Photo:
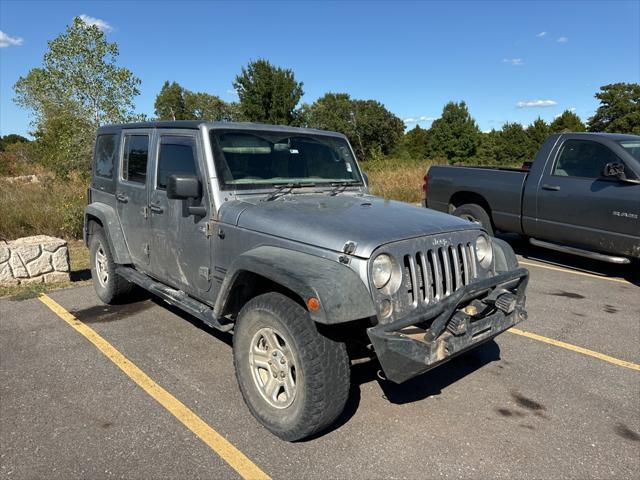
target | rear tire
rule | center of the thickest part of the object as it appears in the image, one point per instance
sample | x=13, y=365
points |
x=476, y=214
x=294, y=380
x=109, y=286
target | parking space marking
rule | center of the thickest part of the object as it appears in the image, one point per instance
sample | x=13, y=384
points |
x=575, y=348
x=220, y=445
x=566, y=270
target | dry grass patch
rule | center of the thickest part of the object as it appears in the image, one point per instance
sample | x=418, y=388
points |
x=397, y=179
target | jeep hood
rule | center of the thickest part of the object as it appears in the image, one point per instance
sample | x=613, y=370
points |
x=331, y=221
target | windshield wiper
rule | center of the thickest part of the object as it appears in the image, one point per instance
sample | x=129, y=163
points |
x=339, y=187
x=285, y=188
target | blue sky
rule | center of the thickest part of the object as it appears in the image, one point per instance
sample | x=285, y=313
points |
x=510, y=61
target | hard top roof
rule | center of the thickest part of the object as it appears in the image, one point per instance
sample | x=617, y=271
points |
x=196, y=124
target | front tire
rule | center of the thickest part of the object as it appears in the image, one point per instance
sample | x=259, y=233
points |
x=109, y=286
x=294, y=380
x=476, y=214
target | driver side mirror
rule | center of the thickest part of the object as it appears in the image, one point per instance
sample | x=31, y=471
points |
x=189, y=188
x=181, y=187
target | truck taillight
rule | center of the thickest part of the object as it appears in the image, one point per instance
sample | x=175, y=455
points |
x=425, y=184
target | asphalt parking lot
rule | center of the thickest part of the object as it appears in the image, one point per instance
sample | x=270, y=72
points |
x=522, y=406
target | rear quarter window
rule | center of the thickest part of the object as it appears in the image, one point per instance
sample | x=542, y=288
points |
x=105, y=154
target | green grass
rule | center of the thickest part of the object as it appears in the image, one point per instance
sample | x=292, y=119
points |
x=80, y=275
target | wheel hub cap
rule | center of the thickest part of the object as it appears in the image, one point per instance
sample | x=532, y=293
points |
x=273, y=368
x=102, y=272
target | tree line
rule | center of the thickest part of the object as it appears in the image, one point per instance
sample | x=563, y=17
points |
x=80, y=87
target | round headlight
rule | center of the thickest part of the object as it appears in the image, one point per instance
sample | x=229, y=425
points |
x=382, y=270
x=484, y=252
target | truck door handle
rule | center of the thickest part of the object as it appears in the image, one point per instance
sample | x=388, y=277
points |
x=155, y=208
x=121, y=197
x=555, y=188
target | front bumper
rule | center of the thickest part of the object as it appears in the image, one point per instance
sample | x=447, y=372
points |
x=435, y=333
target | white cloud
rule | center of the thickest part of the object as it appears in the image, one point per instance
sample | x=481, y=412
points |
x=233, y=92
x=536, y=103
x=516, y=62
x=421, y=118
x=563, y=39
x=7, y=41
x=98, y=22
x=541, y=34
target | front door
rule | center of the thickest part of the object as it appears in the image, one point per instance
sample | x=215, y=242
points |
x=132, y=195
x=578, y=205
x=180, y=255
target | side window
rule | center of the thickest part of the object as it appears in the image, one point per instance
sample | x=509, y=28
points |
x=583, y=158
x=105, y=155
x=177, y=155
x=134, y=160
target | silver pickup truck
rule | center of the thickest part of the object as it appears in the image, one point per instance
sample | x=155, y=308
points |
x=580, y=196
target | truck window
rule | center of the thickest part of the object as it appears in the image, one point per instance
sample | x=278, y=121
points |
x=583, y=158
x=105, y=155
x=177, y=155
x=134, y=162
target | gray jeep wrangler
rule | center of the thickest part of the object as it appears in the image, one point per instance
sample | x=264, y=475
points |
x=270, y=231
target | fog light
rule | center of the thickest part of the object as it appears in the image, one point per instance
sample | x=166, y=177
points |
x=386, y=308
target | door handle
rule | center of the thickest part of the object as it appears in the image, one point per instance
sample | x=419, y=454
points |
x=121, y=197
x=156, y=208
x=554, y=188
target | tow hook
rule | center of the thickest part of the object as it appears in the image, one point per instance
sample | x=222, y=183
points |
x=507, y=302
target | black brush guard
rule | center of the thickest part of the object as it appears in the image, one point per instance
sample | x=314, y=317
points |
x=493, y=305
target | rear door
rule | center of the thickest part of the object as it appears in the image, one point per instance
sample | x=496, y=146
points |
x=131, y=193
x=180, y=254
x=576, y=203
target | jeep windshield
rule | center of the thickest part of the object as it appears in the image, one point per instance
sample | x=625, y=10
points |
x=264, y=159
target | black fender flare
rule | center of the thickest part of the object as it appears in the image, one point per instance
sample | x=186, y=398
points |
x=111, y=226
x=343, y=296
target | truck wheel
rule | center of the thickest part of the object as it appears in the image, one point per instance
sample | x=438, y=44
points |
x=109, y=286
x=294, y=380
x=476, y=214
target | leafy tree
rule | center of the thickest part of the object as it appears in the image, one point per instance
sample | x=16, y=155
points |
x=455, y=134
x=64, y=140
x=175, y=102
x=78, y=88
x=170, y=102
x=489, y=148
x=514, y=144
x=619, y=109
x=416, y=142
x=268, y=94
x=79, y=71
x=538, y=131
x=203, y=106
x=369, y=126
x=567, y=122
x=11, y=139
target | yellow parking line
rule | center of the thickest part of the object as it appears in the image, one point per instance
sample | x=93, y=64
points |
x=566, y=270
x=574, y=348
x=230, y=454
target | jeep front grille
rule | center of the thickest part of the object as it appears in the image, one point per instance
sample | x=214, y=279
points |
x=433, y=274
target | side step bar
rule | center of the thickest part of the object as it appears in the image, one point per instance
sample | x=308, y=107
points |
x=578, y=251
x=178, y=298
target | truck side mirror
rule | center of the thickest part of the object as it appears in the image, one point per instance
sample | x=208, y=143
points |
x=182, y=187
